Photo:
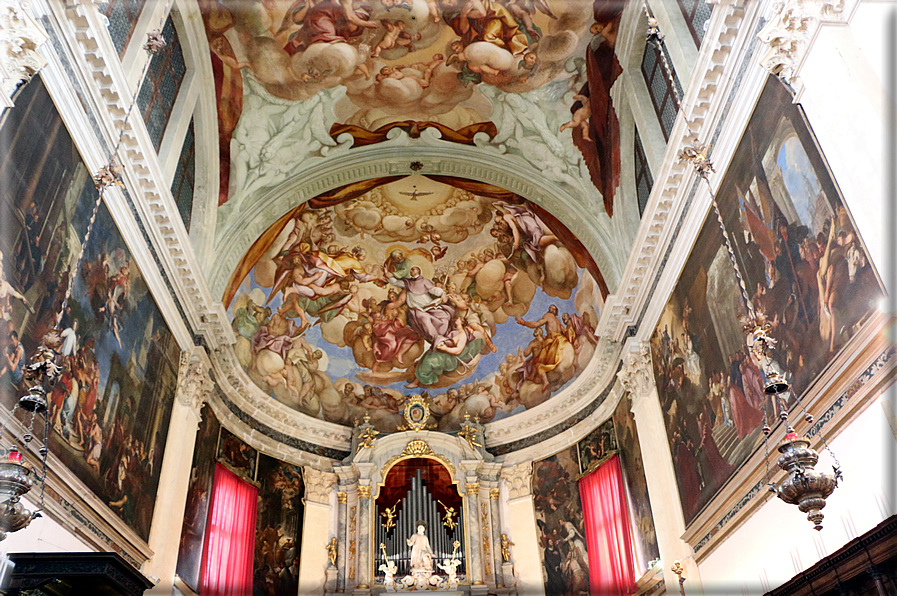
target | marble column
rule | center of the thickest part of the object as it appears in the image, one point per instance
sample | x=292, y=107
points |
x=494, y=494
x=365, y=527
x=475, y=568
x=364, y=540
x=520, y=526
x=193, y=389
x=315, y=530
x=637, y=378
x=342, y=525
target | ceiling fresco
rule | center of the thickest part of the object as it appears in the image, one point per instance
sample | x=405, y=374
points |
x=533, y=75
x=411, y=284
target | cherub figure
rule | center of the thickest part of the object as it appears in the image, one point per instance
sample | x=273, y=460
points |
x=450, y=566
x=395, y=36
x=580, y=117
x=391, y=72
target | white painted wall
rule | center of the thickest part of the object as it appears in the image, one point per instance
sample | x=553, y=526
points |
x=43, y=535
x=778, y=542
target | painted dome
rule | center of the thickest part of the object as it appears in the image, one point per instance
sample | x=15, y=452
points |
x=451, y=288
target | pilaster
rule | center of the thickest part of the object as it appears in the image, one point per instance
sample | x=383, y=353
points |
x=637, y=378
x=315, y=529
x=193, y=390
x=520, y=526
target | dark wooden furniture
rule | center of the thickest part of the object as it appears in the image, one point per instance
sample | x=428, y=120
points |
x=75, y=574
x=865, y=566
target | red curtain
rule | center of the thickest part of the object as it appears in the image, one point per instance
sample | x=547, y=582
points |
x=230, y=537
x=608, y=535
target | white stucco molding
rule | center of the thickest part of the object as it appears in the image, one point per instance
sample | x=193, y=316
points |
x=20, y=38
x=318, y=485
x=637, y=374
x=791, y=29
x=518, y=480
x=194, y=385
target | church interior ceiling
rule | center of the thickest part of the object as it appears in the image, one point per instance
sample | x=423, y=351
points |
x=306, y=80
x=354, y=300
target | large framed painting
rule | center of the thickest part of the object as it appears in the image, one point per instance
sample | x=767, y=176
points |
x=110, y=410
x=559, y=518
x=806, y=269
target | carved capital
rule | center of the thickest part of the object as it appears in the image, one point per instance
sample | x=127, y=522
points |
x=194, y=385
x=364, y=491
x=472, y=488
x=318, y=485
x=637, y=375
x=494, y=494
x=519, y=480
x=342, y=498
x=791, y=28
x=20, y=37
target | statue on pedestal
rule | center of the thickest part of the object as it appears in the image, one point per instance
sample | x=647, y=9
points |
x=421, y=560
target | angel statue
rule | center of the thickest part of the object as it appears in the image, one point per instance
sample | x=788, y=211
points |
x=389, y=569
x=506, y=548
x=450, y=566
x=331, y=551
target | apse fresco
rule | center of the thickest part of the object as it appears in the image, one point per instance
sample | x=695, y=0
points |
x=559, y=518
x=111, y=407
x=636, y=484
x=347, y=305
x=442, y=63
x=805, y=268
x=278, y=529
x=199, y=492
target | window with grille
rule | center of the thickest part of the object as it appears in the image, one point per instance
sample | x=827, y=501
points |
x=696, y=13
x=185, y=176
x=160, y=88
x=643, y=179
x=662, y=95
x=121, y=20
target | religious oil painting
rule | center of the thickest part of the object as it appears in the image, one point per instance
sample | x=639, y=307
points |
x=199, y=493
x=597, y=447
x=561, y=526
x=633, y=468
x=805, y=268
x=388, y=288
x=279, y=528
x=240, y=458
x=300, y=78
x=111, y=407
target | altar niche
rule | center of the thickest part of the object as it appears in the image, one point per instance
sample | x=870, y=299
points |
x=418, y=490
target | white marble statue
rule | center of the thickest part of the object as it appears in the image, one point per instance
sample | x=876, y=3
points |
x=450, y=566
x=389, y=570
x=421, y=553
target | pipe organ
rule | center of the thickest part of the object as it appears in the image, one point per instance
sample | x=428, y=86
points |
x=385, y=488
x=418, y=504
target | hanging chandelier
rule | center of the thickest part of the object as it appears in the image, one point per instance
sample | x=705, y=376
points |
x=45, y=365
x=803, y=486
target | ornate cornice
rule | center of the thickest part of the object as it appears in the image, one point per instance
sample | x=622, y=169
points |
x=790, y=30
x=518, y=480
x=20, y=38
x=637, y=374
x=318, y=485
x=81, y=28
